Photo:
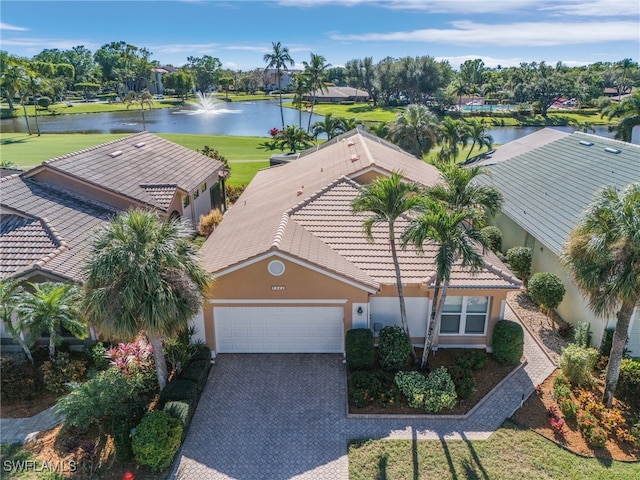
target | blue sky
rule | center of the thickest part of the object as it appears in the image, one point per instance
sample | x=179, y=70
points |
x=239, y=33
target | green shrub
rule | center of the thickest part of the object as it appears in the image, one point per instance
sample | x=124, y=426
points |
x=394, y=347
x=508, y=342
x=577, y=364
x=433, y=393
x=582, y=335
x=197, y=372
x=98, y=356
x=472, y=360
x=365, y=380
x=546, y=290
x=493, y=237
x=465, y=386
x=179, y=390
x=60, y=371
x=561, y=388
x=19, y=382
x=569, y=408
x=179, y=409
x=359, y=349
x=519, y=259
x=629, y=380
x=44, y=102
x=179, y=350
x=202, y=352
x=359, y=397
x=96, y=401
x=607, y=340
x=156, y=440
x=591, y=430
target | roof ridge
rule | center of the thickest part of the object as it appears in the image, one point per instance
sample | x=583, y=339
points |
x=144, y=185
x=501, y=273
x=72, y=154
x=323, y=190
x=9, y=177
x=282, y=226
x=76, y=196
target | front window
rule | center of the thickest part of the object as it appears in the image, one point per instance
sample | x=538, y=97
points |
x=464, y=315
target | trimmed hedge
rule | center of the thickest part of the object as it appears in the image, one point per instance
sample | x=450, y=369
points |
x=359, y=349
x=519, y=259
x=546, y=290
x=156, y=440
x=202, y=353
x=508, y=342
x=179, y=389
x=181, y=410
x=394, y=347
x=197, y=372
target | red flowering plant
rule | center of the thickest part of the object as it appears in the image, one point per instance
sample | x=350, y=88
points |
x=135, y=360
x=555, y=420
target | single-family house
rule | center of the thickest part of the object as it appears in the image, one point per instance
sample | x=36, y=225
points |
x=48, y=214
x=293, y=270
x=141, y=170
x=333, y=94
x=548, y=179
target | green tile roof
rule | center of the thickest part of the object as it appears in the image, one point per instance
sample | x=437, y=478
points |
x=546, y=189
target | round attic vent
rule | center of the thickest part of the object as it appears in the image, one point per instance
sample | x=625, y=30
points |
x=276, y=268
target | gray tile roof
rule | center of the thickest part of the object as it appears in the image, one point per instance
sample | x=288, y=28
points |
x=46, y=228
x=547, y=188
x=132, y=164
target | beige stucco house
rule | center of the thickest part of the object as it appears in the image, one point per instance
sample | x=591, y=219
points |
x=548, y=179
x=293, y=270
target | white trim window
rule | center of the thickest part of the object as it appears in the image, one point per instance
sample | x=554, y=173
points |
x=464, y=316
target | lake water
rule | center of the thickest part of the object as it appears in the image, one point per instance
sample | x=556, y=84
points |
x=253, y=119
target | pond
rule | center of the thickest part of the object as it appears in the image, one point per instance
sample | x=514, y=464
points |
x=253, y=119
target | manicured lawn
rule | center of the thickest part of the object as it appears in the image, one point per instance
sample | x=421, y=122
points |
x=18, y=463
x=360, y=111
x=510, y=453
x=62, y=108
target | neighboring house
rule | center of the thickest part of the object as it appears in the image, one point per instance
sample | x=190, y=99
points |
x=141, y=170
x=48, y=214
x=293, y=270
x=333, y=94
x=548, y=179
x=156, y=87
x=270, y=79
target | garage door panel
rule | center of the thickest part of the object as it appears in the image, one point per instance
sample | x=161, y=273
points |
x=279, y=329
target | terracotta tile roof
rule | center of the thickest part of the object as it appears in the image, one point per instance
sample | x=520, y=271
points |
x=130, y=164
x=45, y=227
x=304, y=209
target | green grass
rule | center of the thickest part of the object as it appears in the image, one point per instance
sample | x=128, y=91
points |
x=62, y=108
x=27, y=151
x=19, y=464
x=510, y=453
x=360, y=111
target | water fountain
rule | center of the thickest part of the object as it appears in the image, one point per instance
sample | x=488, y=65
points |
x=208, y=105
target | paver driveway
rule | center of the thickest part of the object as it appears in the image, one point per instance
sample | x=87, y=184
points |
x=269, y=417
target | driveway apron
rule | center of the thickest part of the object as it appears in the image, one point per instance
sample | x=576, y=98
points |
x=269, y=417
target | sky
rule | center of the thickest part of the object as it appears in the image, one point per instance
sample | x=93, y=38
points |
x=239, y=33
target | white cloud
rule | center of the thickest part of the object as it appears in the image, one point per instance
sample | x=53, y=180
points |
x=596, y=8
x=540, y=34
x=184, y=48
x=493, y=62
x=12, y=28
x=38, y=44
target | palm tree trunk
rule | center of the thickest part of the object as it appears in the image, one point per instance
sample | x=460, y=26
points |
x=617, y=350
x=403, y=310
x=27, y=353
x=35, y=109
x=431, y=318
x=161, y=364
x=26, y=118
x=313, y=103
x=280, y=97
x=144, y=125
x=473, y=145
x=52, y=344
x=435, y=326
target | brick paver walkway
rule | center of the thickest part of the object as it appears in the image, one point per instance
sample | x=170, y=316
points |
x=278, y=417
x=21, y=430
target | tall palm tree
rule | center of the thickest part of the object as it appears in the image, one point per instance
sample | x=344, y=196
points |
x=479, y=135
x=628, y=112
x=299, y=89
x=415, y=130
x=10, y=294
x=11, y=80
x=603, y=256
x=456, y=242
x=143, y=274
x=50, y=307
x=315, y=72
x=143, y=99
x=453, y=134
x=32, y=87
x=279, y=58
x=388, y=198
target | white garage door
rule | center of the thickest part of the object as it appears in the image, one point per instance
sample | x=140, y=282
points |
x=279, y=329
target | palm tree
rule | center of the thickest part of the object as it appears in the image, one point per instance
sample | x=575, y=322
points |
x=415, y=130
x=479, y=135
x=603, y=256
x=143, y=274
x=456, y=242
x=387, y=199
x=32, y=86
x=453, y=134
x=330, y=125
x=459, y=87
x=315, y=73
x=628, y=112
x=10, y=294
x=11, y=80
x=144, y=99
x=50, y=307
x=279, y=58
x=299, y=89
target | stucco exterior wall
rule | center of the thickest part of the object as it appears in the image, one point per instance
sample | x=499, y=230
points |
x=254, y=283
x=574, y=307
